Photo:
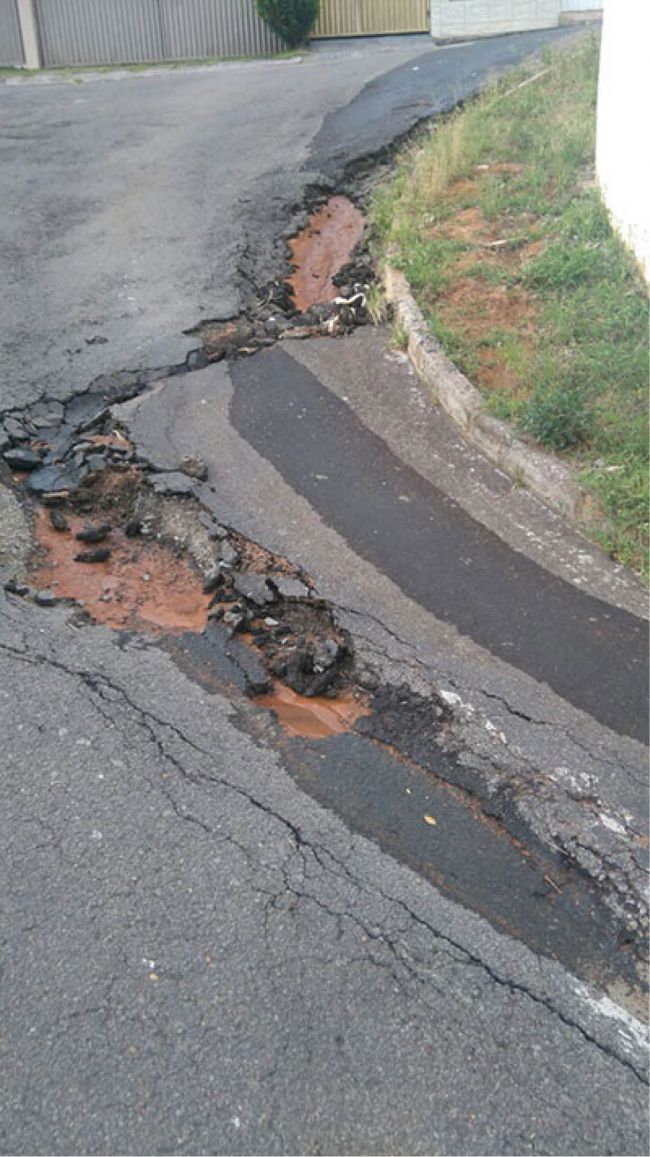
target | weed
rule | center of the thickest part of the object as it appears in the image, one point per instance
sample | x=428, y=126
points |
x=559, y=417
x=400, y=336
x=376, y=304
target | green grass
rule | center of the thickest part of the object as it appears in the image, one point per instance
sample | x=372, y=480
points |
x=523, y=157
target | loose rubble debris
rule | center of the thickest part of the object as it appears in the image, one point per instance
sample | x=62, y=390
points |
x=323, y=295
x=152, y=559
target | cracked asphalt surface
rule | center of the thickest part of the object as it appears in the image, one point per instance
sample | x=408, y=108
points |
x=217, y=940
x=203, y=960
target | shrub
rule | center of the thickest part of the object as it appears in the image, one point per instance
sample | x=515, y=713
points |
x=293, y=20
x=559, y=417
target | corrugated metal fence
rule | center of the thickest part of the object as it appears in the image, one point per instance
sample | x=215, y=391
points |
x=140, y=31
x=137, y=31
x=11, y=45
x=371, y=17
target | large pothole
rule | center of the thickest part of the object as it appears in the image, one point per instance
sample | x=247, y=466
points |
x=134, y=554
x=321, y=250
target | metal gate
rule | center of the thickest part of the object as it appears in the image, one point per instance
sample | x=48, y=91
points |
x=372, y=17
x=11, y=44
x=140, y=31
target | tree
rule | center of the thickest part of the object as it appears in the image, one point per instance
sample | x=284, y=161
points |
x=293, y=20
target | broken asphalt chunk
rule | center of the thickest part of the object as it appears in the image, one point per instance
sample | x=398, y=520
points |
x=173, y=483
x=45, y=598
x=58, y=519
x=289, y=588
x=21, y=458
x=14, y=429
x=54, y=479
x=255, y=588
x=13, y=587
x=93, y=533
x=100, y=554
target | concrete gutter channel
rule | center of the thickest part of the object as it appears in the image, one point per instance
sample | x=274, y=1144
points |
x=514, y=844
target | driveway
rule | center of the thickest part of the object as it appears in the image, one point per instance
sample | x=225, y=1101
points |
x=419, y=929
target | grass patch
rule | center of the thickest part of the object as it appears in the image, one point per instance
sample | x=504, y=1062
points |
x=499, y=228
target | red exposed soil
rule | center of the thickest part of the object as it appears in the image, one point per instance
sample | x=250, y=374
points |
x=316, y=717
x=142, y=585
x=474, y=305
x=476, y=309
x=321, y=249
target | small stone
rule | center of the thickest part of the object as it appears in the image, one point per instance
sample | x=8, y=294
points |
x=133, y=528
x=193, y=465
x=15, y=588
x=368, y=679
x=227, y=554
x=234, y=619
x=93, y=533
x=21, y=458
x=45, y=598
x=101, y=554
x=58, y=519
x=325, y=654
x=212, y=579
x=214, y=529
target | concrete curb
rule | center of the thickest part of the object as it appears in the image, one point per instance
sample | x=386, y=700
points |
x=542, y=473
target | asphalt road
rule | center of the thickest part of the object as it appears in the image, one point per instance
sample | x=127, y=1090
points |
x=127, y=204
x=216, y=940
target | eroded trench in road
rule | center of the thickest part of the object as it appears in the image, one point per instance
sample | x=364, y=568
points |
x=136, y=550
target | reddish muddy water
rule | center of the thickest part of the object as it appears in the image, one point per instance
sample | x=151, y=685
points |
x=313, y=718
x=142, y=585
x=321, y=249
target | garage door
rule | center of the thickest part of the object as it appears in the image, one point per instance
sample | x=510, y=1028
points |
x=372, y=17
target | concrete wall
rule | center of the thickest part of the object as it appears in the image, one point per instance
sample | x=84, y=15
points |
x=622, y=154
x=457, y=19
x=461, y=18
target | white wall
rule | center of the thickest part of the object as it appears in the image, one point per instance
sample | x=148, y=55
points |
x=622, y=154
x=454, y=19
x=461, y=18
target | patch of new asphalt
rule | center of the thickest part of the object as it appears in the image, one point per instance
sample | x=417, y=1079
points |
x=432, y=85
x=591, y=653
